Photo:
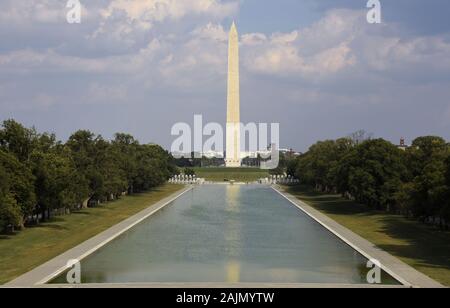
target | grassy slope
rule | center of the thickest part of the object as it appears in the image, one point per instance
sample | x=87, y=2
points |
x=24, y=251
x=421, y=246
x=237, y=174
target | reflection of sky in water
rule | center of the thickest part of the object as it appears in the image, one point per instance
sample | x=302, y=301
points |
x=223, y=233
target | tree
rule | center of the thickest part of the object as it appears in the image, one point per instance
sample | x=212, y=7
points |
x=319, y=166
x=152, y=162
x=82, y=145
x=10, y=215
x=114, y=177
x=125, y=147
x=21, y=186
x=57, y=185
x=426, y=160
x=445, y=211
x=372, y=172
x=39, y=175
x=404, y=198
x=292, y=166
x=17, y=139
x=359, y=137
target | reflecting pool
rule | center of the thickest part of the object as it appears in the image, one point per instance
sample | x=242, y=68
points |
x=227, y=233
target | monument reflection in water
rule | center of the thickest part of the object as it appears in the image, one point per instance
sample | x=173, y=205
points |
x=227, y=233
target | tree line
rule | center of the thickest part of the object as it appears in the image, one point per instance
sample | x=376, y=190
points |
x=413, y=181
x=40, y=175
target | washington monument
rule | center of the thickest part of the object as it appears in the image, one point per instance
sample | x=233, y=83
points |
x=233, y=150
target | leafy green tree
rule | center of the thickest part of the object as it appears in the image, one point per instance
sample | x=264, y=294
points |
x=82, y=145
x=125, y=147
x=17, y=139
x=404, y=199
x=21, y=185
x=291, y=167
x=426, y=160
x=359, y=137
x=445, y=210
x=40, y=175
x=319, y=166
x=10, y=214
x=152, y=163
x=114, y=177
x=57, y=185
x=372, y=172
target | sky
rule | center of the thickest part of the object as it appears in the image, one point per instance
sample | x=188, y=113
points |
x=140, y=66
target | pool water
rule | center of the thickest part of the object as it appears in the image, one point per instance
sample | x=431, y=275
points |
x=227, y=234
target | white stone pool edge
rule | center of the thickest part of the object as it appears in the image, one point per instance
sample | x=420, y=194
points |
x=399, y=270
x=53, y=268
x=41, y=275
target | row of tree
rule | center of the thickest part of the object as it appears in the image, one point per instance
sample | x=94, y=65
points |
x=413, y=181
x=40, y=175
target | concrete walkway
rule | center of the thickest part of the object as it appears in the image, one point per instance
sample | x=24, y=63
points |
x=402, y=272
x=53, y=268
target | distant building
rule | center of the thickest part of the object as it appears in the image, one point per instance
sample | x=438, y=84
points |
x=402, y=146
x=290, y=152
x=213, y=154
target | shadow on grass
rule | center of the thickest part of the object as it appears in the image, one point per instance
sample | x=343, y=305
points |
x=54, y=223
x=424, y=244
x=85, y=212
x=330, y=204
x=428, y=246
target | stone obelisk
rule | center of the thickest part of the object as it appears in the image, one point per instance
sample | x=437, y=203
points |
x=233, y=150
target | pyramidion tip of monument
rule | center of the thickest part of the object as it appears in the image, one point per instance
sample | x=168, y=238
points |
x=233, y=26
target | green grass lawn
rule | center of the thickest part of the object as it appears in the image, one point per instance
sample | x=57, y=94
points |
x=236, y=174
x=34, y=246
x=423, y=247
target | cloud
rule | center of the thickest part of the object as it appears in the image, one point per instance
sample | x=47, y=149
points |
x=105, y=94
x=158, y=10
x=33, y=62
x=172, y=55
x=32, y=12
x=320, y=50
x=341, y=41
x=124, y=18
x=200, y=60
x=285, y=59
x=19, y=12
x=211, y=32
x=45, y=100
x=387, y=53
x=338, y=43
x=252, y=39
